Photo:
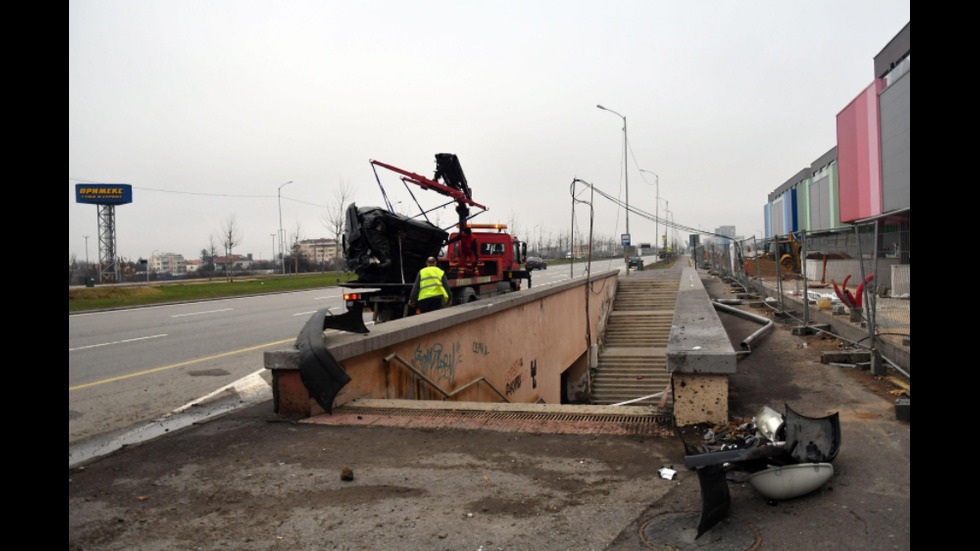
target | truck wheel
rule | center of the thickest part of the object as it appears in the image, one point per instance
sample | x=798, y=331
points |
x=381, y=316
x=468, y=295
x=787, y=263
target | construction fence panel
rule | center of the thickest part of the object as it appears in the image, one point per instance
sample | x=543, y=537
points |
x=861, y=268
x=889, y=296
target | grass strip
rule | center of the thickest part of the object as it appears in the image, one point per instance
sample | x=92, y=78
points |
x=102, y=297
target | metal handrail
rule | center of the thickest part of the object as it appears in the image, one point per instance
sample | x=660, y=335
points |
x=431, y=383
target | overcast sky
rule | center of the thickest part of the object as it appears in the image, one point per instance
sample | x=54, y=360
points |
x=206, y=108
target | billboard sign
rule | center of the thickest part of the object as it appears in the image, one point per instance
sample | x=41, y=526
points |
x=104, y=194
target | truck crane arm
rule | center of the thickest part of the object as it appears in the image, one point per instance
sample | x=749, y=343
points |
x=457, y=189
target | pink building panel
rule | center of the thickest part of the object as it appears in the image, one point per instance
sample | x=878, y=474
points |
x=859, y=156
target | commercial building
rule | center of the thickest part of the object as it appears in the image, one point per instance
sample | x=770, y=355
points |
x=867, y=176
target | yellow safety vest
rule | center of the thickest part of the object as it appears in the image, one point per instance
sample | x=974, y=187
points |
x=431, y=283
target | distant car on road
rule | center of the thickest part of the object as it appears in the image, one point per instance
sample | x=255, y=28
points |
x=535, y=263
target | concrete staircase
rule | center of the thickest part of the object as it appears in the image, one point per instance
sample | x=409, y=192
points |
x=633, y=360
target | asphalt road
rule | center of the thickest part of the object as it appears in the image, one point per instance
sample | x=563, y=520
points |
x=128, y=367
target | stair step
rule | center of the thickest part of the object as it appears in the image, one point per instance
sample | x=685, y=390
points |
x=633, y=361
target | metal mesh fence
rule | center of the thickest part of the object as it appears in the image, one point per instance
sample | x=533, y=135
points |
x=856, y=277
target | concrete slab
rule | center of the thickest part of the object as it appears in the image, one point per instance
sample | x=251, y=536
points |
x=700, y=398
x=698, y=342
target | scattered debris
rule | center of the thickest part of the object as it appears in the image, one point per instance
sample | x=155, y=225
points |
x=769, y=421
x=900, y=383
x=845, y=356
x=903, y=409
x=786, y=456
x=824, y=301
x=715, y=499
x=791, y=480
x=667, y=473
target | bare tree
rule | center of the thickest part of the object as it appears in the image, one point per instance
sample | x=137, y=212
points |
x=231, y=237
x=336, y=214
x=208, y=254
x=295, y=238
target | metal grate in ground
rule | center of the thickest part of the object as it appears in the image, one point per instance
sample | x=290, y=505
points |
x=501, y=421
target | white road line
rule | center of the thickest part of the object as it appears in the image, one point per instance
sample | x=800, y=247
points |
x=201, y=313
x=117, y=342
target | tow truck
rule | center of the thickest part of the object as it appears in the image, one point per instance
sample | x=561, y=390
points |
x=387, y=249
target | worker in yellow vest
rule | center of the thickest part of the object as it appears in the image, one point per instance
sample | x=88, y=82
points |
x=431, y=289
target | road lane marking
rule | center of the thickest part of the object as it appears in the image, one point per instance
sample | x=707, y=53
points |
x=117, y=342
x=181, y=364
x=201, y=313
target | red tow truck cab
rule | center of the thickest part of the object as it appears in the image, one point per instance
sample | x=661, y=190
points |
x=498, y=266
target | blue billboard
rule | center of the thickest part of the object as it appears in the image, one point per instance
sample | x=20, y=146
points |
x=104, y=194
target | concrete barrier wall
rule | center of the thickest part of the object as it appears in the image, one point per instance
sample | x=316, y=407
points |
x=700, y=356
x=698, y=341
x=520, y=342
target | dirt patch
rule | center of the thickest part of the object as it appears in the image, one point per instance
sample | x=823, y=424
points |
x=100, y=293
x=240, y=482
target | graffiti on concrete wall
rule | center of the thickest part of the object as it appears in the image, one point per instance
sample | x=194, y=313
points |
x=438, y=363
x=517, y=375
x=480, y=349
x=513, y=377
x=513, y=385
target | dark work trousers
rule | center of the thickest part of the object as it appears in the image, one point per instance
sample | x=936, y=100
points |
x=430, y=304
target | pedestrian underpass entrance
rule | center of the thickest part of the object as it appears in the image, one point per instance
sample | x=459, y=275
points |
x=539, y=346
x=517, y=347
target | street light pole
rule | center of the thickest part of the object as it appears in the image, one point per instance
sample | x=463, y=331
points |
x=626, y=170
x=273, y=235
x=656, y=226
x=282, y=262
